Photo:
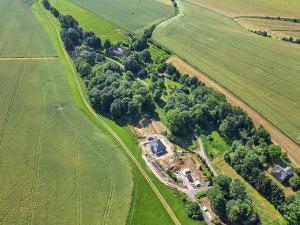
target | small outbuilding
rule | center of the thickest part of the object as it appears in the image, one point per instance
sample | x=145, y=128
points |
x=185, y=171
x=197, y=183
x=282, y=174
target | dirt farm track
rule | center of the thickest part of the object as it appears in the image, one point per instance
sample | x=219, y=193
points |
x=277, y=135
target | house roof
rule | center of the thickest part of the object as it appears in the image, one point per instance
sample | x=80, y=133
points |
x=282, y=173
x=157, y=147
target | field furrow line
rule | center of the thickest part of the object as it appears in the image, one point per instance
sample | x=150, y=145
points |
x=108, y=128
x=5, y=8
x=78, y=192
x=36, y=163
x=11, y=103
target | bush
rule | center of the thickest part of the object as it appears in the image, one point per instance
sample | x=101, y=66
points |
x=295, y=182
x=194, y=211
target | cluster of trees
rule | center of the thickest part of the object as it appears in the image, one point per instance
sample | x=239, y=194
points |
x=249, y=164
x=199, y=106
x=141, y=43
x=53, y=10
x=230, y=200
x=290, y=39
x=262, y=33
x=111, y=94
x=108, y=91
x=291, y=209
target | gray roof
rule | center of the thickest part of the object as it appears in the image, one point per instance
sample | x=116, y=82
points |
x=157, y=147
x=282, y=173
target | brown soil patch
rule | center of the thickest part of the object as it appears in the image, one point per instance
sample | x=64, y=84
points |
x=149, y=126
x=278, y=137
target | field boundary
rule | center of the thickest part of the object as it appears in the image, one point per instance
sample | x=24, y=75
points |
x=107, y=127
x=278, y=136
x=12, y=58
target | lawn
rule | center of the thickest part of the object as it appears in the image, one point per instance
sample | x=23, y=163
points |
x=267, y=213
x=281, y=8
x=90, y=21
x=132, y=15
x=145, y=207
x=263, y=72
x=56, y=167
x=214, y=145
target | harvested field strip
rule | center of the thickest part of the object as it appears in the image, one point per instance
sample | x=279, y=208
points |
x=292, y=148
x=108, y=128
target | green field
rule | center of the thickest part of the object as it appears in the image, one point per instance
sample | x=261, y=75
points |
x=263, y=72
x=90, y=21
x=132, y=15
x=281, y=8
x=267, y=213
x=56, y=167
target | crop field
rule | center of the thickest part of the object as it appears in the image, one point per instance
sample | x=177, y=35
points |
x=56, y=167
x=263, y=72
x=132, y=15
x=267, y=213
x=274, y=27
x=234, y=8
x=90, y=21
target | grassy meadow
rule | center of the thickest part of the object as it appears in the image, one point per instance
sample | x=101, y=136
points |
x=263, y=72
x=56, y=167
x=90, y=21
x=267, y=213
x=132, y=15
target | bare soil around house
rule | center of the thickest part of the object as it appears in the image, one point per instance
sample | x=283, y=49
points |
x=148, y=126
x=278, y=137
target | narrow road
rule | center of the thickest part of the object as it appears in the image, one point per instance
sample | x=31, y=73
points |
x=105, y=125
x=202, y=154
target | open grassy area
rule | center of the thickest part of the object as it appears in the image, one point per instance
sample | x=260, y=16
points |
x=281, y=8
x=132, y=15
x=268, y=214
x=214, y=145
x=263, y=72
x=56, y=167
x=90, y=21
